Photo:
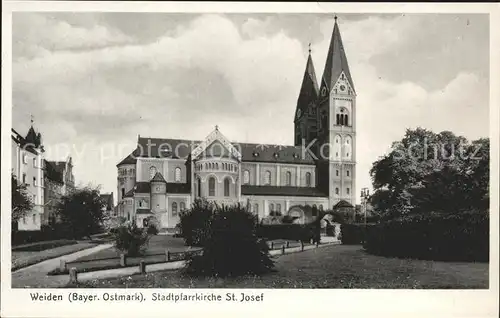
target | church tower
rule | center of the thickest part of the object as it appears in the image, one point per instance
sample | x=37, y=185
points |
x=305, y=114
x=337, y=123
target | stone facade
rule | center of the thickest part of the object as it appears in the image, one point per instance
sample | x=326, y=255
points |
x=162, y=177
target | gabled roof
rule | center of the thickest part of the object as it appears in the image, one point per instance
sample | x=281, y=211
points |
x=282, y=191
x=309, y=89
x=336, y=60
x=158, y=178
x=181, y=148
x=343, y=204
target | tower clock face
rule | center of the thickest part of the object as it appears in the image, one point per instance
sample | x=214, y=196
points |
x=342, y=88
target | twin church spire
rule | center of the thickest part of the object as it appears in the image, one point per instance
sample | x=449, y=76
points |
x=335, y=65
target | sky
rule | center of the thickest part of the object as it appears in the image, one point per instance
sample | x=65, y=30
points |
x=94, y=81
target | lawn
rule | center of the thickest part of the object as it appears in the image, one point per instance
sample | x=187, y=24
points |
x=341, y=266
x=110, y=257
x=155, y=253
x=21, y=259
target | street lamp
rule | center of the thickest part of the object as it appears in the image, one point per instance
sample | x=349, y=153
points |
x=365, y=193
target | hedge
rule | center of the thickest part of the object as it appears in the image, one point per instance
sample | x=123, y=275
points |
x=296, y=232
x=458, y=237
x=44, y=245
x=353, y=233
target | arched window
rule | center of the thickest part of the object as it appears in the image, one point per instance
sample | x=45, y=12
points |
x=288, y=178
x=346, y=120
x=256, y=208
x=314, y=210
x=123, y=192
x=336, y=190
x=211, y=187
x=347, y=172
x=321, y=207
x=177, y=174
x=267, y=178
x=278, y=207
x=174, y=208
x=337, y=146
x=246, y=177
x=347, y=147
x=338, y=119
x=271, y=208
x=336, y=173
x=199, y=187
x=347, y=191
x=308, y=179
x=226, y=187
x=152, y=172
x=182, y=206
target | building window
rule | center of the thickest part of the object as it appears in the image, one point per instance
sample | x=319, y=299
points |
x=199, y=187
x=246, y=177
x=271, y=208
x=348, y=190
x=123, y=192
x=24, y=220
x=34, y=181
x=267, y=178
x=256, y=208
x=308, y=179
x=177, y=174
x=34, y=162
x=314, y=210
x=25, y=159
x=336, y=190
x=321, y=207
x=24, y=178
x=337, y=173
x=182, y=206
x=226, y=187
x=288, y=178
x=211, y=187
x=174, y=208
x=34, y=218
x=347, y=172
x=152, y=172
x=278, y=207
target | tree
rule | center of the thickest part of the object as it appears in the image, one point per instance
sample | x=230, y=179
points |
x=81, y=212
x=21, y=202
x=428, y=172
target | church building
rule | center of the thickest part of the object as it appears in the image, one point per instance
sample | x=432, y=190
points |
x=163, y=176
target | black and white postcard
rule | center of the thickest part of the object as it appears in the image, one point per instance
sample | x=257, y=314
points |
x=282, y=158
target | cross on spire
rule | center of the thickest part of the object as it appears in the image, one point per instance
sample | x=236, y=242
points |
x=335, y=17
x=32, y=119
x=309, y=47
x=216, y=127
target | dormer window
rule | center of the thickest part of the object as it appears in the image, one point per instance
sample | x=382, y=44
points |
x=276, y=155
x=255, y=154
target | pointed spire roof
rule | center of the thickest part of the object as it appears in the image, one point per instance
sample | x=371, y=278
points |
x=309, y=90
x=158, y=178
x=336, y=60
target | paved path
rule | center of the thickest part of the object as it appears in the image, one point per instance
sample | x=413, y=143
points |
x=36, y=275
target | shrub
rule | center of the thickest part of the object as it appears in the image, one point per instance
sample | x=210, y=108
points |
x=152, y=229
x=131, y=239
x=195, y=222
x=231, y=247
x=457, y=237
x=354, y=233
